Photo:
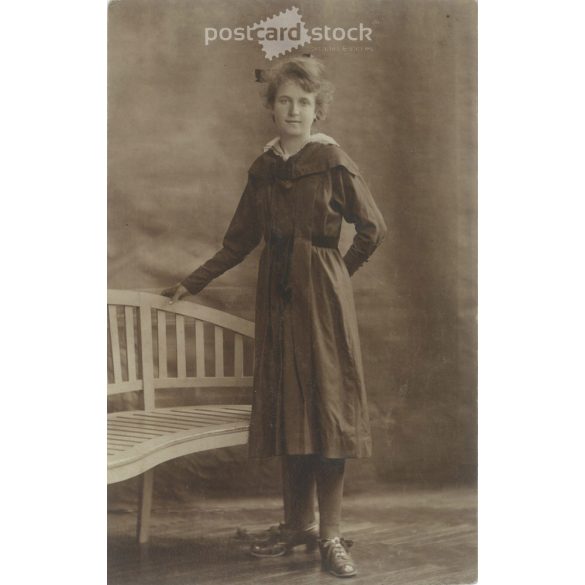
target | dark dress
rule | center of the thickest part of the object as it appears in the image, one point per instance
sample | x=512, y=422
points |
x=309, y=394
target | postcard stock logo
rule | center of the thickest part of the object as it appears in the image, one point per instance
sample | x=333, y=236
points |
x=284, y=32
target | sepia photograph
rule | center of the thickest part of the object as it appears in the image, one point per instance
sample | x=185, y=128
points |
x=292, y=292
x=339, y=244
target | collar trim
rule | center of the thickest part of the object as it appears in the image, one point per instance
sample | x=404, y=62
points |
x=275, y=146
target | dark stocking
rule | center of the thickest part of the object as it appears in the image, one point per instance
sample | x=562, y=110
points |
x=298, y=490
x=329, y=474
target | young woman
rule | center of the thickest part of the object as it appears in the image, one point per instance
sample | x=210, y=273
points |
x=309, y=398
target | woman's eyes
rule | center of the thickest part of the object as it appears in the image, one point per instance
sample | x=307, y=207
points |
x=285, y=101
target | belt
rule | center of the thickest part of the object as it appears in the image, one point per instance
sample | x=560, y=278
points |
x=319, y=241
x=325, y=241
x=282, y=246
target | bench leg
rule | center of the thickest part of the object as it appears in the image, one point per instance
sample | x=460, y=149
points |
x=145, y=506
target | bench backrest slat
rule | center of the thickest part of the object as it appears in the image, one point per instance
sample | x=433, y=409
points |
x=147, y=356
x=181, y=356
x=130, y=340
x=219, y=352
x=199, y=349
x=238, y=355
x=133, y=357
x=115, y=341
x=161, y=319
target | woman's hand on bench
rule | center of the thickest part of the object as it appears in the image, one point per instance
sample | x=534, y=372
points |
x=175, y=293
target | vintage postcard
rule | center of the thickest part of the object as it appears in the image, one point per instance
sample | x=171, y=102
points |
x=292, y=291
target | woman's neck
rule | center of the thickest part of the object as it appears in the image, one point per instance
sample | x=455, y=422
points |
x=292, y=144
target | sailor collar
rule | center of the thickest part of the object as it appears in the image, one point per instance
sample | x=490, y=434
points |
x=276, y=147
x=316, y=156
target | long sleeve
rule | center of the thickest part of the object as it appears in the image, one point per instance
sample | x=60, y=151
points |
x=242, y=236
x=358, y=207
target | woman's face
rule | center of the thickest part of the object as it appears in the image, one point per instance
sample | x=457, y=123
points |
x=294, y=110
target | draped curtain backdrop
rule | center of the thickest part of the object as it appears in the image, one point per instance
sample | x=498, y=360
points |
x=186, y=120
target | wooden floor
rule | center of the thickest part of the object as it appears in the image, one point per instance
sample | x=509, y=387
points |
x=402, y=537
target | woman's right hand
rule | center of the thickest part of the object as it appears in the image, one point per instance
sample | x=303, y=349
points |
x=175, y=293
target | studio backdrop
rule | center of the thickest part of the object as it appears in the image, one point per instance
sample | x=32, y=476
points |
x=185, y=122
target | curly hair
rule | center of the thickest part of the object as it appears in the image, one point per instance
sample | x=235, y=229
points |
x=309, y=74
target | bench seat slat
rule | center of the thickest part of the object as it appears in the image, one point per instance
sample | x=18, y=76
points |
x=136, y=436
x=218, y=407
x=208, y=418
x=202, y=421
x=146, y=426
x=129, y=442
x=137, y=429
x=155, y=419
x=189, y=416
x=120, y=441
x=145, y=430
x=229, y=415
x=122, y=445
x=160, y=425
x=206, y=413
x=161, y=419
x=121, y=431
x=126, y=444
x=142, y=453
x=122, y=437
x=213, y=417
x=168, y=418
x=241, y=409
x=123, y=442
x=122, y=428
x=155, y=422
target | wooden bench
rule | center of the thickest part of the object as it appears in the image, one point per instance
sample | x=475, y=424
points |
x=155, y=347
